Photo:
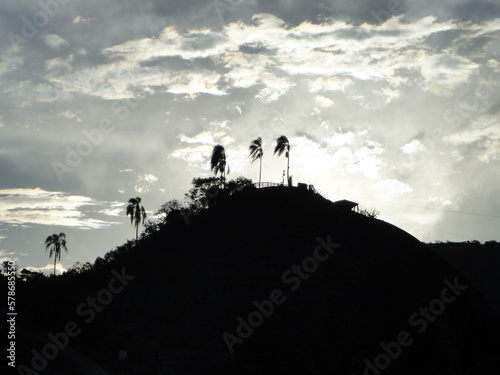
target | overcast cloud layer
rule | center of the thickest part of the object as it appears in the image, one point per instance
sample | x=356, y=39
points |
x=391, y=104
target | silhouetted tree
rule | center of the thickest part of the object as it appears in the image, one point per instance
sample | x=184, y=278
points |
x=256, y=152
x=205, y=191
x=56, y=243
x=78, y=268
x=171, y=210
x=202, y=193
x=369, y=212
x=6, y=266
x=137, y=214
x=218, y=163
x=283, y=146
x=239, y=184
x=31, y=276
x=171, y=205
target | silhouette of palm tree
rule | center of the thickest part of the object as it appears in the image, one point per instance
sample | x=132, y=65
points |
x=137, y=214
x=56, y=243
x=283, y=146
x=256, y=152
x=218, y=163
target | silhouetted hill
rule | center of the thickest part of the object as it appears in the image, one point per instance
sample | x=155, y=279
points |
x=196, y=290
x=478, y=263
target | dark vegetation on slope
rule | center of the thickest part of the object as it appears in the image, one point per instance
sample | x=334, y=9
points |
x=192, y=281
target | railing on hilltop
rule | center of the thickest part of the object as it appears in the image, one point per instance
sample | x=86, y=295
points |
x=267, y=184
x=274, y=184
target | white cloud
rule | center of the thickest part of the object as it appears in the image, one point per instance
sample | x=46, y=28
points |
x=149, y=178
x=365, y=160
x=323, y=102
x=347, y=138
x=116, y=208
x=206, y=137
x=144, y=182
x=270, y=54
x=309, y=155
x=204, y=82
x=26, y=92
x=112, y=211
x=11, y=60
x=412, y=147
x=54, y=41
x=37, y=206
x=71, y=114
x=195, y=156
x=389, y=188
x=80, y=19
x=443, y=73
x=203, y=143
x=484, y=135
x=330, y=84
x=8, y=256
x=59, y=65
x=48, y=268
x=440, y=201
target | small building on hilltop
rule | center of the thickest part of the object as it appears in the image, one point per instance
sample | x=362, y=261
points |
x=346, y=205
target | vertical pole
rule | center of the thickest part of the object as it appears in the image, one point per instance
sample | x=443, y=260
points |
x=260, y=171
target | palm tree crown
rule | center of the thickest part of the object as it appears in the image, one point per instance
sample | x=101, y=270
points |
x=56, y=243
x=218, y=163
x=283, y=146
x=256, y=152
x=137, y=214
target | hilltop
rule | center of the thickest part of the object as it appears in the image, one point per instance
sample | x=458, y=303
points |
x=275, y=280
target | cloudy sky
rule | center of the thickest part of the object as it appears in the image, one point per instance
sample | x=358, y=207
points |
x=393, y=104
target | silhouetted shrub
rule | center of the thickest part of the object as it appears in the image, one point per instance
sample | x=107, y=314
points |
x=369, y=212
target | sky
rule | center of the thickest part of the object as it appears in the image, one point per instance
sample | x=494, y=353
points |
x=392, y=104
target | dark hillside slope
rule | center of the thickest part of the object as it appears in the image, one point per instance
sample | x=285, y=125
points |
x=200, y=302
x=478, y=263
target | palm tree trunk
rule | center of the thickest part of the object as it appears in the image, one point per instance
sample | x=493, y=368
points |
x=288, y=169
x=136, y=231
x=55, y=264
x=260, y=171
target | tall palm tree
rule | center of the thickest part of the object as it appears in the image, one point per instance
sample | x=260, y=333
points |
x=137, y=214
x=218, y=163
x=283, y=146
x=56, y=243
x=256, y=152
